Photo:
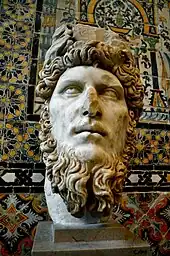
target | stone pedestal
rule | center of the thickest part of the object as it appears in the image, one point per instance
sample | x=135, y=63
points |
x=87, y=240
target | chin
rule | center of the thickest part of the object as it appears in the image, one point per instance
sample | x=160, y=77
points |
x=90, y=152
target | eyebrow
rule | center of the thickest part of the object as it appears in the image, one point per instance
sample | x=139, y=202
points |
x=70, y=82
x=107, y=83
x=108, y=78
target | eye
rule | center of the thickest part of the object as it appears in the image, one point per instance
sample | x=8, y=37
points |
x=72, y=90
x=110, y=93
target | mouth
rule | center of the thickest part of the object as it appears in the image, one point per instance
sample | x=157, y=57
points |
x=91, y=130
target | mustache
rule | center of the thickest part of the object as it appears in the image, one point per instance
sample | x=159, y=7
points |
x=95, y=127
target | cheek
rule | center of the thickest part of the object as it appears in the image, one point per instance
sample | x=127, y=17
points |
x=63, y=113
x=118, y=113
x=123, y=116
x=119, y=119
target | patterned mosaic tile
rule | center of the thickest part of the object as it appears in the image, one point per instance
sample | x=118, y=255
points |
x=151, y=156
x=152, y=147
x=16, y=93
x=66, y=4
x=149, y=63
x=145, y=64
x=140, y=18
x=18, y=10
x=155, y=115
x=140, y=44
x=155, y=97
x=13, y=142
x=17, y=97
x=2, y=112
x=164, y=37
x=15, y=35
x=139, y=213
x=21, y=142
x=146, y=230
x=66, y=15
x=129, y=18
x=143, y=201
x=165, y=244
x=162, y=4
x=48, y=23
x=14, y=67
x=162, y=207
x=153, y=139
x=31, y=143
x=163, y=14
x=20, y=214
x=13, y=98
x=49, y=7
x=3, y=94
x=148, y=178
x=164, y=248
x=127, y=213
x=26, y=176
x=158, y=214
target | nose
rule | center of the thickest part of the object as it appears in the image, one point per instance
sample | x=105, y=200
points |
x=91, y=107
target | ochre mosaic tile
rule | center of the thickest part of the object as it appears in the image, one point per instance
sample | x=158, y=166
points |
x=48, y=23
x=2, y=111
x=15, y=35
x=20, y=11
x=13, y=98
x=17, y=93
x=21, y=142
x=14, y=67
x=152, y=147
x=153, y=138
x=13, y=141
x=31, y=143
x=15, y=111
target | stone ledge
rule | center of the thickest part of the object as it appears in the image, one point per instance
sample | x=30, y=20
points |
x=44, y=244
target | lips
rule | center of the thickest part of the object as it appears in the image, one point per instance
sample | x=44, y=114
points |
x=93, y=129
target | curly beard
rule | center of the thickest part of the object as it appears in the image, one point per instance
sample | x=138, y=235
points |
x=94, y=188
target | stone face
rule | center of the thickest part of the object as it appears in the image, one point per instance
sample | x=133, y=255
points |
x=93, y=99
x=53, y=240
x=88, y=113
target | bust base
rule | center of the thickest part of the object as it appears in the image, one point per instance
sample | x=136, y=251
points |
x=85, y=240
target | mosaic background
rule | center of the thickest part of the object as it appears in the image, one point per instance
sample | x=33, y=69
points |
x=26, y=27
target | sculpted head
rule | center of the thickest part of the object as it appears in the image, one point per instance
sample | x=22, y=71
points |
x=93, y=99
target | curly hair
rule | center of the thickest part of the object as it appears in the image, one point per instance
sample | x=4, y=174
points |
x=116, y=59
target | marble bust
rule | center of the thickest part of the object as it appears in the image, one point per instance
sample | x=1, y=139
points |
x=93, y=99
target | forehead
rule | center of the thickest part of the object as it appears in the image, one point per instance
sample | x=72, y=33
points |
x=85, y=74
